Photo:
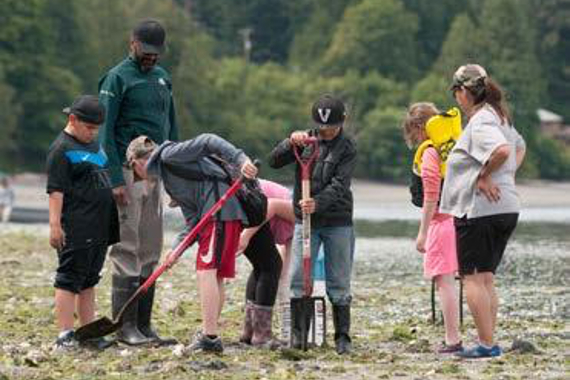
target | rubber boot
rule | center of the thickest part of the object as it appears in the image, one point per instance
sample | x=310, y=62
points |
x=123, y=289
x=262, y=323
x=341, y=320
x=302, y=310
x=247, y=332
x=144, y=324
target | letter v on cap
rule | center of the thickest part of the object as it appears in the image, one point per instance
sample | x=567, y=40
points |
x=324, y=117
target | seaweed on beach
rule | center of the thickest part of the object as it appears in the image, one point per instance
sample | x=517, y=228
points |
x=393, y=334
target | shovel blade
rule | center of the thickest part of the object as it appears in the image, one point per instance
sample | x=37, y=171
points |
x=307, y=316
x=96, y=329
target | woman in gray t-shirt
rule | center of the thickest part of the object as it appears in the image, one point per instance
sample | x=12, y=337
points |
x=479, y=191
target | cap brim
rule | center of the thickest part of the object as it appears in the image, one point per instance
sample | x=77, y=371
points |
x=454, y=86
x=151, y=49
x=83, y=118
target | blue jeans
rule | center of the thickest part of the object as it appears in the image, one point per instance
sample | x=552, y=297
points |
x=338, y=244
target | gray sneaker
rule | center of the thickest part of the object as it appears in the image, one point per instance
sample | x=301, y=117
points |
x=66, y=342
x=203, y=343
x=98, y=344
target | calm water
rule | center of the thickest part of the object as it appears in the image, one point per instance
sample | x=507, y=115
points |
x=528, y=231
x=405, y=211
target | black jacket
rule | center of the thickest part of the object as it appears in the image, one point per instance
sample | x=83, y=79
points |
x=330, y=179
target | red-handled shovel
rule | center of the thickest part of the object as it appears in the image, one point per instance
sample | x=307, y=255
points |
x=305, y=164
x=105, y=326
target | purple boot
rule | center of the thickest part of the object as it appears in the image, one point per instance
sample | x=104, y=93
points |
x=262, y=335
x=247, y=332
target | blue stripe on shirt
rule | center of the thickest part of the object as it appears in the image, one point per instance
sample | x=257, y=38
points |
x=80, y=156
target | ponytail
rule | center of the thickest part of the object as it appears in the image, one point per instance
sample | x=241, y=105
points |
x=493, y=95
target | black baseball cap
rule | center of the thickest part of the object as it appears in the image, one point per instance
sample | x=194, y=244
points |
x=151, y=36
x=87, y=109
x=328, y=111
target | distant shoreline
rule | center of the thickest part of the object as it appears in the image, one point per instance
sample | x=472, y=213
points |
x=541, y=200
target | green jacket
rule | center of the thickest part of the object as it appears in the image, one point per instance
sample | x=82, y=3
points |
x=136, y=103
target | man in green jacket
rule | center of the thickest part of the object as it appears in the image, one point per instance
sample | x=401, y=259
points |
x=137, y=96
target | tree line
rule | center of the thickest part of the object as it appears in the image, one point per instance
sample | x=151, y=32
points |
x=250, y=69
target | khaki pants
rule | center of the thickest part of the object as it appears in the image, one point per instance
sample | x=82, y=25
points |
x=141, y=229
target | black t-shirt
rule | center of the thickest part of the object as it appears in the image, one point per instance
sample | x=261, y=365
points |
x=81, y=172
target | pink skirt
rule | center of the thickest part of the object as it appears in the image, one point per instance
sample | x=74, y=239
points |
x=441, y=249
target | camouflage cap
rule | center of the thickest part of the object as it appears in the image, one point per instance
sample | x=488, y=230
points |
x=471, y=76
x=140, y=147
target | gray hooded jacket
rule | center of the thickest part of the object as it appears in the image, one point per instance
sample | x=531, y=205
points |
x=190, y=157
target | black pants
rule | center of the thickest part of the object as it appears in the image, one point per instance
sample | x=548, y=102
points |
x=263, y=281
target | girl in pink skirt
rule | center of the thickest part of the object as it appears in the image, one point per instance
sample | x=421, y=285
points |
x=436, y=235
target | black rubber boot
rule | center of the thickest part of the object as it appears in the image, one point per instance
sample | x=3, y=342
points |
x=341, y=320
x=146, y=302
x=123, y=289
x=302, y=311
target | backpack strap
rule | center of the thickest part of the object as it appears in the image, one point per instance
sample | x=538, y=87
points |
x=418, y=156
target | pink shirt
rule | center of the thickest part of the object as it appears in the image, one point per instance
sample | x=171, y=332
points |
x=441, y=255
x=431, y=178
x=282, y=229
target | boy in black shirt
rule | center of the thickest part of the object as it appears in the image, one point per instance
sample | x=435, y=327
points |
x=82, y=215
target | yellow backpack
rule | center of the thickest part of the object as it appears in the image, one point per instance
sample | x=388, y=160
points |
x=443, y=131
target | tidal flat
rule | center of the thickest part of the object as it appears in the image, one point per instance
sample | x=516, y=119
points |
x=392, y=330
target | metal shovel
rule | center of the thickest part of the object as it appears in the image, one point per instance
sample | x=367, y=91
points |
x=305, y=164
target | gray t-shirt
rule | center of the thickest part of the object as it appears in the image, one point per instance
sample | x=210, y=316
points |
x=483, y=134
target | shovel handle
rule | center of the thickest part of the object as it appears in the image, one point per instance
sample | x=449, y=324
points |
x=306, y=162
x=307, y=280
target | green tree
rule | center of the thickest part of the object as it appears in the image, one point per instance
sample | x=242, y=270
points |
x=271, y=24
x=9, y=113
x=434, y=18
x=73, y=42
x=462, y=45
x=510, y=57
x=313, y=37
x=261, y=104
x=222, y=19
x=362, y=93
x=197, y=104
x=554, y=44
x=433, y=88
x=375, y=35
x=552, y=159
x=510, y=52
x=382, y=153
x=28, y=49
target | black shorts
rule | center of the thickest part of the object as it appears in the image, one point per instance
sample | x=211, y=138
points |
x=79, y=268
x=481, y=241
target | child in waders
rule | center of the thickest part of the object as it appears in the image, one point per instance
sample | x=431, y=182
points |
x=331, y=207
x=82, y=217
x=434, y=134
